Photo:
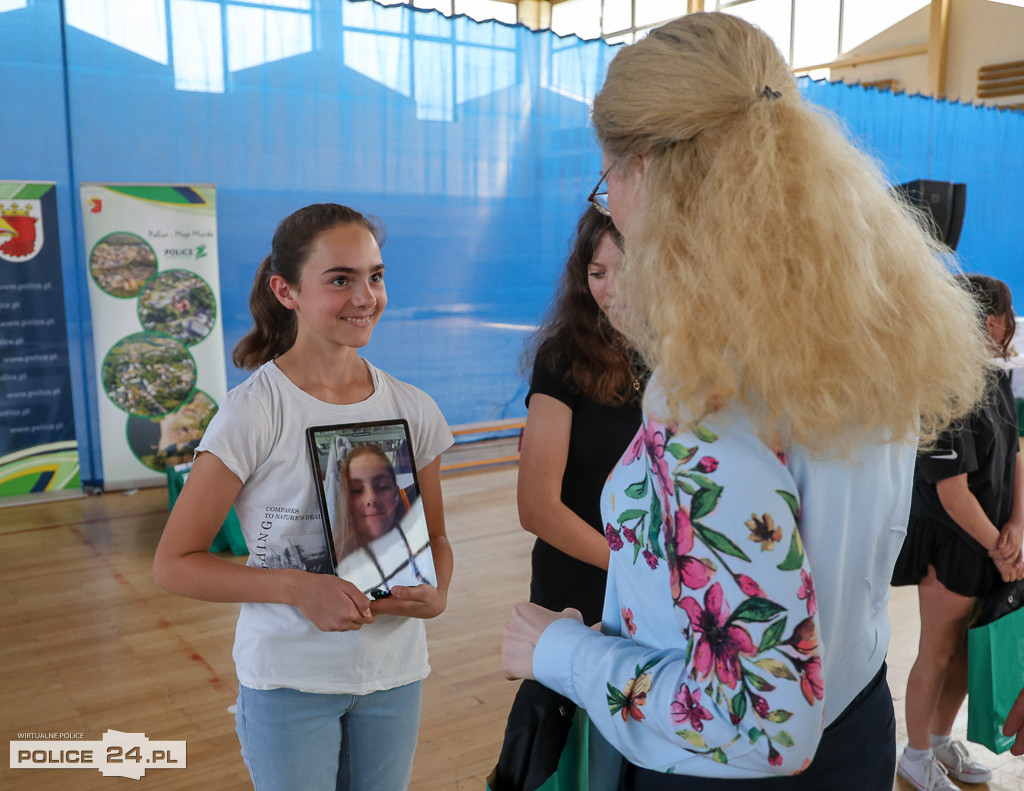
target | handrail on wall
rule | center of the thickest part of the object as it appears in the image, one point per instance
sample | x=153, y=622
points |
x=469, y=430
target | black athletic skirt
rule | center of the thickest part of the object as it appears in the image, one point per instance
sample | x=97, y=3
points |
x=961, y=563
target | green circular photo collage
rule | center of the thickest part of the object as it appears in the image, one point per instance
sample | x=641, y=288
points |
x=151, y=375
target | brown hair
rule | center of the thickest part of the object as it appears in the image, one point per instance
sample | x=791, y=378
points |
x=273, y=330
x=994, y=299
x=368, y=449
x=576, y=336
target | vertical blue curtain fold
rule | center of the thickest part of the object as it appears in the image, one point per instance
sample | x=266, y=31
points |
x=916, y=137
x=470, y=141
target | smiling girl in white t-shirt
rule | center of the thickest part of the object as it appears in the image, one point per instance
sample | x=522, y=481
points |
x=329, y=681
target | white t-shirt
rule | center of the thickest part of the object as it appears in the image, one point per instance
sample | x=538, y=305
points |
x=259, y=434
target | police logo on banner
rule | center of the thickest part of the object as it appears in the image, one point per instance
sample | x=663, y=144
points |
x=21, y=229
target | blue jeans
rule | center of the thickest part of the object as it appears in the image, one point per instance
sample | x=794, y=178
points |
x=293, y=739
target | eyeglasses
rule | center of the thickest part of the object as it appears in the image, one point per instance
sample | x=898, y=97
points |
x=598, y=198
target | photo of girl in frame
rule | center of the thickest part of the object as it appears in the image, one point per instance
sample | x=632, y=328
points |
x=373, y=516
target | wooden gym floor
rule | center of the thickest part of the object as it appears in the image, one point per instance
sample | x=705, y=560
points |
x=88, y=643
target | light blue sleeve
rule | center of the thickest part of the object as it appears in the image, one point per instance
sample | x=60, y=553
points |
x=713, y=665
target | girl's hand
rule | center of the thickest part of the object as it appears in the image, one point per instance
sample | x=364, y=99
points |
x=521, y=634
x=418, y=601
x=1010, y=571
x=1008, y=547
x=331, y=603
x=1014, y=725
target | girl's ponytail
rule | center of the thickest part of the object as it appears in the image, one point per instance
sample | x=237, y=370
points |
x=273, y=325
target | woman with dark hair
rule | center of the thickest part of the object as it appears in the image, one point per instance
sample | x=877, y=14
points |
x=584, y=407
x=964, y=538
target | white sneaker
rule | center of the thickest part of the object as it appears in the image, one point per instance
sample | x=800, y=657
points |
x=926, y=774
x=954, y=756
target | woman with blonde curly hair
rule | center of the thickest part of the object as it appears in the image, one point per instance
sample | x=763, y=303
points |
x=805, y=334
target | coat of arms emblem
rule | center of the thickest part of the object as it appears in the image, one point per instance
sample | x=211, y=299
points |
x=21, y=229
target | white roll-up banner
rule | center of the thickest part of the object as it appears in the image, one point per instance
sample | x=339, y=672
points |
x=154, y=294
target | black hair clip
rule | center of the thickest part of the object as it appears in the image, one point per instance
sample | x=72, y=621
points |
x=768, y=93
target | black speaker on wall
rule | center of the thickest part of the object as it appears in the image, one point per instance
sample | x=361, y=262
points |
x=944, y=202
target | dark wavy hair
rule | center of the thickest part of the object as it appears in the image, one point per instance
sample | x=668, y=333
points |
x=273, y=325
x=994, y=299
x=576, y=336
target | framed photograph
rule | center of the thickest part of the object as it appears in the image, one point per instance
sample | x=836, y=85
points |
x=370, y=502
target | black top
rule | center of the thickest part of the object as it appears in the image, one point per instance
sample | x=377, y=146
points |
x=984, y=446
x=597, y=439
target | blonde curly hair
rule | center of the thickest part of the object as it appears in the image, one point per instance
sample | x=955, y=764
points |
x=769, y=261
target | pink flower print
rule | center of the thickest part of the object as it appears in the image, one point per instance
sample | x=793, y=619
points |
x=707, y=464
x=655, y=443
x=807, y=592
x=630, y=535
x=760, y=705
x=627, y=617
x=689, y=572
x=750, y=587
x=651, y=559
x=684, y=569
x=720, y=646
x=803, y=766
x=774, y=757
x=686, y=708
x=635, y=448
x=811, y=683
x=613, y=538
x=684, y=532
x=781, y=456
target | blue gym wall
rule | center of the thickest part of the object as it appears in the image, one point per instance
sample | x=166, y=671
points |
x=470, y=141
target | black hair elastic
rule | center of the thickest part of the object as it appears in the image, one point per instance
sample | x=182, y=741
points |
x=768, y=93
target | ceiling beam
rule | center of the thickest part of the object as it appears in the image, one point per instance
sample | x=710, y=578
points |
x=872, y=57
x=938, y=47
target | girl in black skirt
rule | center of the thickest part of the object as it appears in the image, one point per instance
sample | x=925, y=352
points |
x=964, y=537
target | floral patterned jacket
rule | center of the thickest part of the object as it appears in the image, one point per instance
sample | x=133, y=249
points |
x=716, y=664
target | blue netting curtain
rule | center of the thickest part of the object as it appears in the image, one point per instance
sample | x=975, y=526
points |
x=469, y=140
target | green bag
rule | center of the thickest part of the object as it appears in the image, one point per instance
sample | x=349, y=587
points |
x=995, y=666
x=572, y=771
x=230, y=534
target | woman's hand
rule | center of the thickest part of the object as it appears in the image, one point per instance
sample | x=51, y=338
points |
x=1008, y=547
x=1007, y=554
x=331, y=603
x=1014, y=725
x=1010, y=571
x=417, y=601
x=521, y=634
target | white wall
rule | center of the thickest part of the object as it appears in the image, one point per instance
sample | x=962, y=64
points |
x=981, y=33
